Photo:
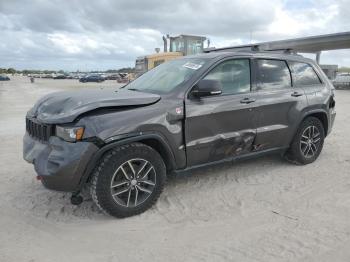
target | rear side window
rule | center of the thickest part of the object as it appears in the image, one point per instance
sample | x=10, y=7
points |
x=273, y=74
x=234, y=76
x=304, y=74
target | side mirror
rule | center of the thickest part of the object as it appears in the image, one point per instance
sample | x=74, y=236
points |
x=207, y=87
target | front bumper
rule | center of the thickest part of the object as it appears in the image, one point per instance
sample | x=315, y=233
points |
x=60, y=164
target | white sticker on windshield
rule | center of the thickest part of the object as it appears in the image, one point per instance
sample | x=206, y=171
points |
x=192, y=66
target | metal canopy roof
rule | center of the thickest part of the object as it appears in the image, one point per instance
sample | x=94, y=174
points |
x=312, y=44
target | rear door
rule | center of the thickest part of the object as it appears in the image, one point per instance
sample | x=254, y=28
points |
x=223, y=126
x=279, y=104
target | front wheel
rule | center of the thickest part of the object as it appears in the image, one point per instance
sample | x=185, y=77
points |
x=128, y=180
x=307, y=143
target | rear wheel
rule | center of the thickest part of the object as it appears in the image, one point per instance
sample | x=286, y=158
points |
x=307, y=143
x=128, y=180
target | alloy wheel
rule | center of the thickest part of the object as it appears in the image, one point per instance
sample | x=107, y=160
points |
x=133, y=182
x=310, y=141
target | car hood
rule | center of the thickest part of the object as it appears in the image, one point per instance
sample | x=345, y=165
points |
x=65, y=107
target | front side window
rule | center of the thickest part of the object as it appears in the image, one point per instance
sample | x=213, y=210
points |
x=273, y=74
x=304, y=74
x=234, y=76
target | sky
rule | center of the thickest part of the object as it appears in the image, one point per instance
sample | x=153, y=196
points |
x=109, y=34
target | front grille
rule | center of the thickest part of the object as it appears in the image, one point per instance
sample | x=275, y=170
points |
x=38, y=130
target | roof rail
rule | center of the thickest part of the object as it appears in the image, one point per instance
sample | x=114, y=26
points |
x=250, y=48
x=232, y=48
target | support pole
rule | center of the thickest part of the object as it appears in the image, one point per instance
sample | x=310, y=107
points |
x=165, y=44
x=318, y=57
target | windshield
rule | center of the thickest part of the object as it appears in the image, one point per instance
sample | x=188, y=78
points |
x=166, y=77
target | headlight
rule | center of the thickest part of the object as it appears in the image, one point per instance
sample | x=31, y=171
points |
x=70, y=134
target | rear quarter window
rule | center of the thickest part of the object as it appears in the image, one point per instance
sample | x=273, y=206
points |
x=304, y=74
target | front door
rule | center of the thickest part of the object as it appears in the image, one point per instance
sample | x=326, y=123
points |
x=221, y=127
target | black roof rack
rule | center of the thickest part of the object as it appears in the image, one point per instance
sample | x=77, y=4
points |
x=249, y=48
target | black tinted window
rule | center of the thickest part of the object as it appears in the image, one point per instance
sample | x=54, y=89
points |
x=273, y=74
x=304, y=74
x=234, y=76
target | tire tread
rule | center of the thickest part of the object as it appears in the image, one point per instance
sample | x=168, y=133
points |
x=293, y=154
x=98, y=173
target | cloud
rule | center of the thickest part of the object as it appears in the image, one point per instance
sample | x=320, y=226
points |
x=300, y=22
x=109, y=34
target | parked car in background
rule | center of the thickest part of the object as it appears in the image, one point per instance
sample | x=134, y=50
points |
x=92, y=78
x=187, y=113
x=342, y=80
x=123, y=78
x=60, y=77
x=119, y=77
x=4, y=78
x=46, y=76
x=112, y=77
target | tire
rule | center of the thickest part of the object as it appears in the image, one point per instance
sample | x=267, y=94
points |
x=307, y=143
x=128, y=180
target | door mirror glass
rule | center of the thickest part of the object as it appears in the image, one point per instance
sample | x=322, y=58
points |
x=207, y=87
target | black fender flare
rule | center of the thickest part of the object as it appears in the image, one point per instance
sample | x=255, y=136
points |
x=317, y=111
x=122, y=140
x=307, y=114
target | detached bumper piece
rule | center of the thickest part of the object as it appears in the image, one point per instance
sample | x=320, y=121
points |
x=60, y=164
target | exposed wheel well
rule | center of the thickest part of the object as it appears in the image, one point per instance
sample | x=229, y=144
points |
x=323, y=118
x=160, y=148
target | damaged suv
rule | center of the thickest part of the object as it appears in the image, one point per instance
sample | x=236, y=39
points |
x=186, y=113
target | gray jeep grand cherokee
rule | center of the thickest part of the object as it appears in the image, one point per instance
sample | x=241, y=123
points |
x=183, y=114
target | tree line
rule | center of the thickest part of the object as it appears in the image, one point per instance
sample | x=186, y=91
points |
x=7, y=71
x=27, y=71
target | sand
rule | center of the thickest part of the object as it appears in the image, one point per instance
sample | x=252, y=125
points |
x=258, y=210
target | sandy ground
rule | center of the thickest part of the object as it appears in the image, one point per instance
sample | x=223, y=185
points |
x=257, y=210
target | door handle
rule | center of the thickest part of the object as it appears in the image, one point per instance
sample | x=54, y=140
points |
x=296, y=94
x=247, y=100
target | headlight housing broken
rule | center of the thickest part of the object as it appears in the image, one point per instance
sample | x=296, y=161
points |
x=70, y=134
